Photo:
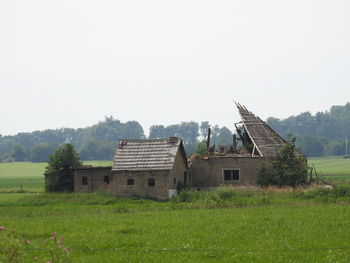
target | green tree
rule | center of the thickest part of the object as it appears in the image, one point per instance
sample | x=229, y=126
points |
x=203, y=129
x=42, y=151
x=97, y=150
x=202, y=149
x=288, y=168
x=221, y=136
x=60, y=170
x=20, y=154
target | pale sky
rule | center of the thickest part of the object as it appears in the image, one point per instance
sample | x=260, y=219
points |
x=69, y=63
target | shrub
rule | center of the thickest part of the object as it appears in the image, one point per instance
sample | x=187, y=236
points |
x=59, y=173
x=287, y=169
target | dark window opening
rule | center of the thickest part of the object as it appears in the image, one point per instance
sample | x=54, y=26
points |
x=84, y=180
x=131, y=181
x=231, y=175
x=106, y=179
x=151, y=182
x=187, y=177
x=174, y=180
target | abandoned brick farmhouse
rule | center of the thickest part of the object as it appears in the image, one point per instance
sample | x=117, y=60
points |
x=156, y=168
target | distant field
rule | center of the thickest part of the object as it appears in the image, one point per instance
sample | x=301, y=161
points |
x=336, y=169
x=30, y=175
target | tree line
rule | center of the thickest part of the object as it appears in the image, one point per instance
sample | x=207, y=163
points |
x=322, y=134
x=317, y=135
x=99, y=141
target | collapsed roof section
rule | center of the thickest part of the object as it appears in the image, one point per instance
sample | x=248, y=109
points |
x=265, y=141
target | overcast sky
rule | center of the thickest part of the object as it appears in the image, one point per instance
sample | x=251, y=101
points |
x=69, y=63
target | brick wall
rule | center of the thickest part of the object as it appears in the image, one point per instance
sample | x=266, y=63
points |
x=177, y=172
x=95, y=179
x=209, y=173
x=120, y=187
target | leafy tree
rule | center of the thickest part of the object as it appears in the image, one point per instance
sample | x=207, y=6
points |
x=20, y=154
x=157, y=132
x=331, y=125
x=336, y=147
x=221, y=136
x=287, y=169
x=312, y=145
x=42, y=151
x=60, y=170
x=202, y=149
x=188, y=131
x=203, y=128
x=97, y=150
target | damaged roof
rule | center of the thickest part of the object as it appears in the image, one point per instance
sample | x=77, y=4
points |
x=266, y=141
x=152, y=154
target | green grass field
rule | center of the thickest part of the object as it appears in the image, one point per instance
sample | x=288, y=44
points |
x=101, y=228
x=331, y=166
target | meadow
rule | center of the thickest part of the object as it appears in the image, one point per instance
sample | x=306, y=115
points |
x=226, y=225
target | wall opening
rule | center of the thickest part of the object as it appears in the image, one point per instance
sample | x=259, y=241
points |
x=231, y=175
x=106, y=179
x=131, y=181
x=151, y=182
x=187, y=177
x=84, y=180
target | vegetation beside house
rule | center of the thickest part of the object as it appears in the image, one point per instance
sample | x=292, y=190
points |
x=59, y=174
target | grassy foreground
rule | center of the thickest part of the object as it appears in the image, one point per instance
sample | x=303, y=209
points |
x=221, y=226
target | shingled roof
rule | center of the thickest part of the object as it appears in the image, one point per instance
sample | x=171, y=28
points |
x=152, y=154
x=266, y=141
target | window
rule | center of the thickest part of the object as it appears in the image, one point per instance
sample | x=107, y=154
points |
x=84, y=180
x=174, y=180
x=131, y=181
x=106, y=179
x=151, y=182
x=231, y=175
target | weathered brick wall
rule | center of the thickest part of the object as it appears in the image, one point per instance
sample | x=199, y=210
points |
x=177, y=172
x=95, y=180
x=141, y=188
x=164, y=181
x=209, y=173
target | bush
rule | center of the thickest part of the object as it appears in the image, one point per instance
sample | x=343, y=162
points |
x=59, y=174
x=287, y=169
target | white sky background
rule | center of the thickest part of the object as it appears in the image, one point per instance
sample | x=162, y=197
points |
x=69, y=63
